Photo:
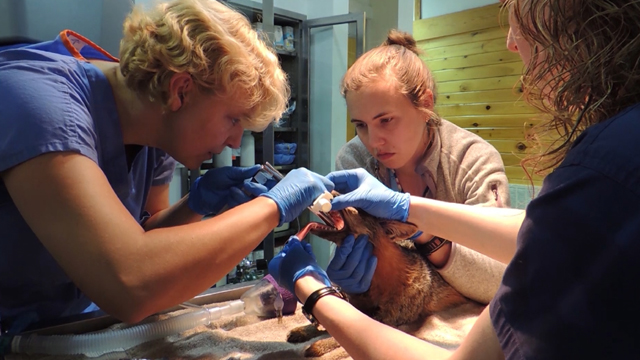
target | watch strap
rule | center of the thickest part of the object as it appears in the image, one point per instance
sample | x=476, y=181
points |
x=311, y=301
x=432, y=246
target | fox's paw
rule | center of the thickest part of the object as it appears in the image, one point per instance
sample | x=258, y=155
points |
x=303, y=333
x=321, y=347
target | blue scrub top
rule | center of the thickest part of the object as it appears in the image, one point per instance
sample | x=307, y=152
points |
x=570, y=290
x=52, y=101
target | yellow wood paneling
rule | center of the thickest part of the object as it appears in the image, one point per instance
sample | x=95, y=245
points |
x=466, y=61
x=517, y=175
x=504, y=82
x=500, y=95
x=500, y=133
x=464, y=38
x=456, y=23
x=478, y=81
x=515, y=107
x=510, y=146
x=481, y=47
x=512, y=159
x=479, y=72
x=476, y=121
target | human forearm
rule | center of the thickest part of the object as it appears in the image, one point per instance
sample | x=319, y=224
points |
x=361, y=336
x=178, y=214
x=157, y=279
x=127, y=271
x=490, y=231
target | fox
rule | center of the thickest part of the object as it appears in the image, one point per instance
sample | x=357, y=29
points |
x=405, y=287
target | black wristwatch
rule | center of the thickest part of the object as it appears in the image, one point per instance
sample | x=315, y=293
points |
x=311, y=301
x=432, y=246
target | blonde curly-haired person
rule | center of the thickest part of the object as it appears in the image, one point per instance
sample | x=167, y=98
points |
x=87, y=151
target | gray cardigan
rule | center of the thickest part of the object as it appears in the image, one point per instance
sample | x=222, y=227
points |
x=464, y=169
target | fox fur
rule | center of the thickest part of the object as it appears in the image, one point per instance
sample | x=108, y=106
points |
x=404, y=288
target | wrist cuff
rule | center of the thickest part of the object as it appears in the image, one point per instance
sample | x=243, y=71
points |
x=194, y=200
x=280, y=210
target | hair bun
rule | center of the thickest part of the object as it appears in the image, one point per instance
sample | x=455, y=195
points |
x=397, y=37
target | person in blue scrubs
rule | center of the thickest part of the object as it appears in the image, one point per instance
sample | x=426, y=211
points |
x=88, y=146
x=569, y=289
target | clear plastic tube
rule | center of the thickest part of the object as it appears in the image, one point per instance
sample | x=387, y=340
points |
x=100, y=343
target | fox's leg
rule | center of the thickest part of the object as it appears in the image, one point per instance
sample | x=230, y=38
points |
x=321, y=347
x=303, y=333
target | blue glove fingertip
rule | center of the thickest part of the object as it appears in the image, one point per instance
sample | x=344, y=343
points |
x=241, y=173
x=254, y=189
x=309, y=249
x=237, y=197
x=342, y=253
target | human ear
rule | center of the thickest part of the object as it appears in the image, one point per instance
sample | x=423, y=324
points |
x=180, y=86
x=429, y=101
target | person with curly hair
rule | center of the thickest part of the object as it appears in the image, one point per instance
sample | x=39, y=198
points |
x=572, y=254
x=88, y=146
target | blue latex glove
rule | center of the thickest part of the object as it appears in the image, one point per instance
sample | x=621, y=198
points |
x=212, y=191
x=360, y=189
x=353, y=265
x=238, y=195
x=296, y=191
x=294, y=261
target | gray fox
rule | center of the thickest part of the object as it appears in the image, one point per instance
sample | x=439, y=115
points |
x=404, y=288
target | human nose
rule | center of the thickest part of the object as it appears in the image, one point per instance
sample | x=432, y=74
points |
x=376, y=137
x=511, y=41
x=235, y=138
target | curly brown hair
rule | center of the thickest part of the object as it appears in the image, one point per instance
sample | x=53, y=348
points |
x=211, y=42
x=584, y=66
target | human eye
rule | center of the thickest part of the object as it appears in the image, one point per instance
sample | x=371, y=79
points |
x=235, y=121
x=359, y=125
x=386, y=120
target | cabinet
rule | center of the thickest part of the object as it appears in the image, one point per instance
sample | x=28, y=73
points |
x=295, y=128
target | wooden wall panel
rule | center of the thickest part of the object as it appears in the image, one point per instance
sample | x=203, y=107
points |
x=465, y=37
x=478, y=80
x=480, y=47
x=470, y=97
x=461, y=22
x=458, y=62
x=505, y=82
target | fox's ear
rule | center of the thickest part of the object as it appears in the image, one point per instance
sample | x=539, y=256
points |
x=397, y=230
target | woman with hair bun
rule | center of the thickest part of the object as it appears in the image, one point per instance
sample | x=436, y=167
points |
x=402, y=141
x=573, y=254
x=88, y=146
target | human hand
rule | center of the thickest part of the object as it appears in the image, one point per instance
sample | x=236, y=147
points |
x=360, y=189
x=296, y=191
x=249, y=191
x=213, y=190
x=293, y=262
x=353, y=265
